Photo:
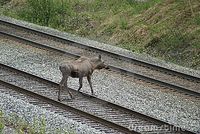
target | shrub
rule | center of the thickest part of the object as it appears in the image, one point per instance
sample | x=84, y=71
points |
x=123, y=23
x=46, y=12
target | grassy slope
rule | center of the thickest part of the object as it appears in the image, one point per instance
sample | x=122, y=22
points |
x=167, y=29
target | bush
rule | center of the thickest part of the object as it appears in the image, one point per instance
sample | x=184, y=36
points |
x=123, y=23
x=46, y=12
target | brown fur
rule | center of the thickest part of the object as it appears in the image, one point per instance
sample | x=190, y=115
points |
x=82, y=67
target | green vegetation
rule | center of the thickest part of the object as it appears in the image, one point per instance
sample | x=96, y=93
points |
x=167, y=29
x=21, y=126
x=2, y=124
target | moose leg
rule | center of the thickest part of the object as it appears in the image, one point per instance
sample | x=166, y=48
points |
x=65, y=84
x=80, y=83
x=61, y=86
x=90, y=83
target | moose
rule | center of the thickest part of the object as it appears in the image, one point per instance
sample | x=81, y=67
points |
x=82, y=67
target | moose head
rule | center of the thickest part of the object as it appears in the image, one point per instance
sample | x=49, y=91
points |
x=98, y=63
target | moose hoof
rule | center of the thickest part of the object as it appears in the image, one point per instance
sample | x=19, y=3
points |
x=93, y=95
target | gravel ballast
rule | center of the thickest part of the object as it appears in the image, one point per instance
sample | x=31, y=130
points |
x=173, y=109
x=104, y=46
x=12, y=106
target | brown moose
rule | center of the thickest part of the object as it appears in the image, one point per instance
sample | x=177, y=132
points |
x=82, y=67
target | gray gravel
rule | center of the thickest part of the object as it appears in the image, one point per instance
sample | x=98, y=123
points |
x=103, y=46
x=28, y=112
x=176, y=110
x=8, y=130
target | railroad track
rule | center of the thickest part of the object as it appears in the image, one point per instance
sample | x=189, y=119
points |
x=99, y=114
x=148, y=73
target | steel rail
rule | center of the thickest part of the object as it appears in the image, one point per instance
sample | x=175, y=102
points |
x=71, y=109
x=114, y=68
x=103, y=121
x=124, y=57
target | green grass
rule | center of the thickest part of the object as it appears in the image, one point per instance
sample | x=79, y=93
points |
x=138, y=7
x=123, y=23
x=46, y=12
x=21, y=126
x=197, y=20
x=2, y=123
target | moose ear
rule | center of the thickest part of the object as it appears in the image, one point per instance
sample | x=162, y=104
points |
x=100, y=57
